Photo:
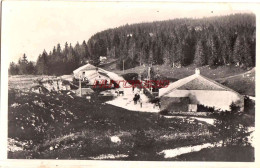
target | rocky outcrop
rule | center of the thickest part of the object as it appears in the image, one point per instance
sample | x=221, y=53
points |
x=50, y=85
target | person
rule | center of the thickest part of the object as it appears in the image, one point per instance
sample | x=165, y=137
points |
x=136, y=98
x=142, y=91
x=88, y=98
x=141, y=103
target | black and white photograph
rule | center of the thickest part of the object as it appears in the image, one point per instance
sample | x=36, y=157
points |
x=129, y=81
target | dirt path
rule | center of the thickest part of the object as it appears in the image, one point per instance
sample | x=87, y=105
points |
x=171, y=153
x=207, y=120
x=245, y=73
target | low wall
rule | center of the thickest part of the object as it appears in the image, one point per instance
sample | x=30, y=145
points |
x=191, y=113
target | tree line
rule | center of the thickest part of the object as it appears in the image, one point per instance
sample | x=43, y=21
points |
x=57, y=62
x=213, y=41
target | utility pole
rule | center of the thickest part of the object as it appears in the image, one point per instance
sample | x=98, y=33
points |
x=123, y=66
x=149, y=76
x=80, y=93
x=140, y=60
x=149, y=69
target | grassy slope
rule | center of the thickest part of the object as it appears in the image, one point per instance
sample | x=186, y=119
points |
x=167, y=71
x=242, y=83
x=238, y=79
x=81, y=129
x=24, y=82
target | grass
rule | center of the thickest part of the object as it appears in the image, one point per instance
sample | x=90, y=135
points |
x=24, y=82
x=230, y=76
x=178, y=73
x=84, y=128
x=242, y=83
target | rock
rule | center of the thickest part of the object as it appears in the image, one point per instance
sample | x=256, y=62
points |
x=115, y=139
x=15, y=105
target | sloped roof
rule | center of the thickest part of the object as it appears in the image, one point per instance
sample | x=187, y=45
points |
x=103, y=73
x=200, y=83
x=195, y=82
x=85, y=68
x=93, y=74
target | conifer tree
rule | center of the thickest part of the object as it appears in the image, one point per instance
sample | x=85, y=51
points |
x=23, y=62
x=42, y=64
x=212, y=51
x=13, y=69
x=200, y=55
x=247, y=54
x=238, y=51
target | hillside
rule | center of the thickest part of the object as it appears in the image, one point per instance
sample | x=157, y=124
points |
x=64, y=126
x=243, y=83
x=214, y=41
x=210, y=41
x=240, y=80
x=61, y=125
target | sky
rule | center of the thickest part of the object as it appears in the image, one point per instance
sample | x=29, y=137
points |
x=30, y=27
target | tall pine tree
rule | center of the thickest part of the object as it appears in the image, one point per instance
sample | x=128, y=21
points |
x=42, y=64
x=212, y=51
x=200, y=54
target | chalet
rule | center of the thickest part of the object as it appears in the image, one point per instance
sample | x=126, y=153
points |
x=91, y=74
x=187, y=93
x=79, y=72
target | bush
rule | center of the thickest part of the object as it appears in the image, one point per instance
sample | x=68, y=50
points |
x=164, y=112
x=202, y=108
x=230, y=128
x=130, y=76
x=144, y=145
x=249, y=106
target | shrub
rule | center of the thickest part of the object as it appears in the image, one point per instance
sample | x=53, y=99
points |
x=143, y=145
x=130, y=76
x=164, y=112
x=203, y=108
x=230, y=128
x=249, y=106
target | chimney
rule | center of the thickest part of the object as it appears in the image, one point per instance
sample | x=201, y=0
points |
x=197, y=71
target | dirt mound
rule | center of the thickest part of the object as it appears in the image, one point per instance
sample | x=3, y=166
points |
x=39, y=89
x=52, y=84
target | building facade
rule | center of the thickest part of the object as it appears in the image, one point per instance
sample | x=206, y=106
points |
x=187, y=93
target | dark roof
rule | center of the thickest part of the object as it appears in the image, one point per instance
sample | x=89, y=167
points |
x=199, y=84
x=195, y=82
